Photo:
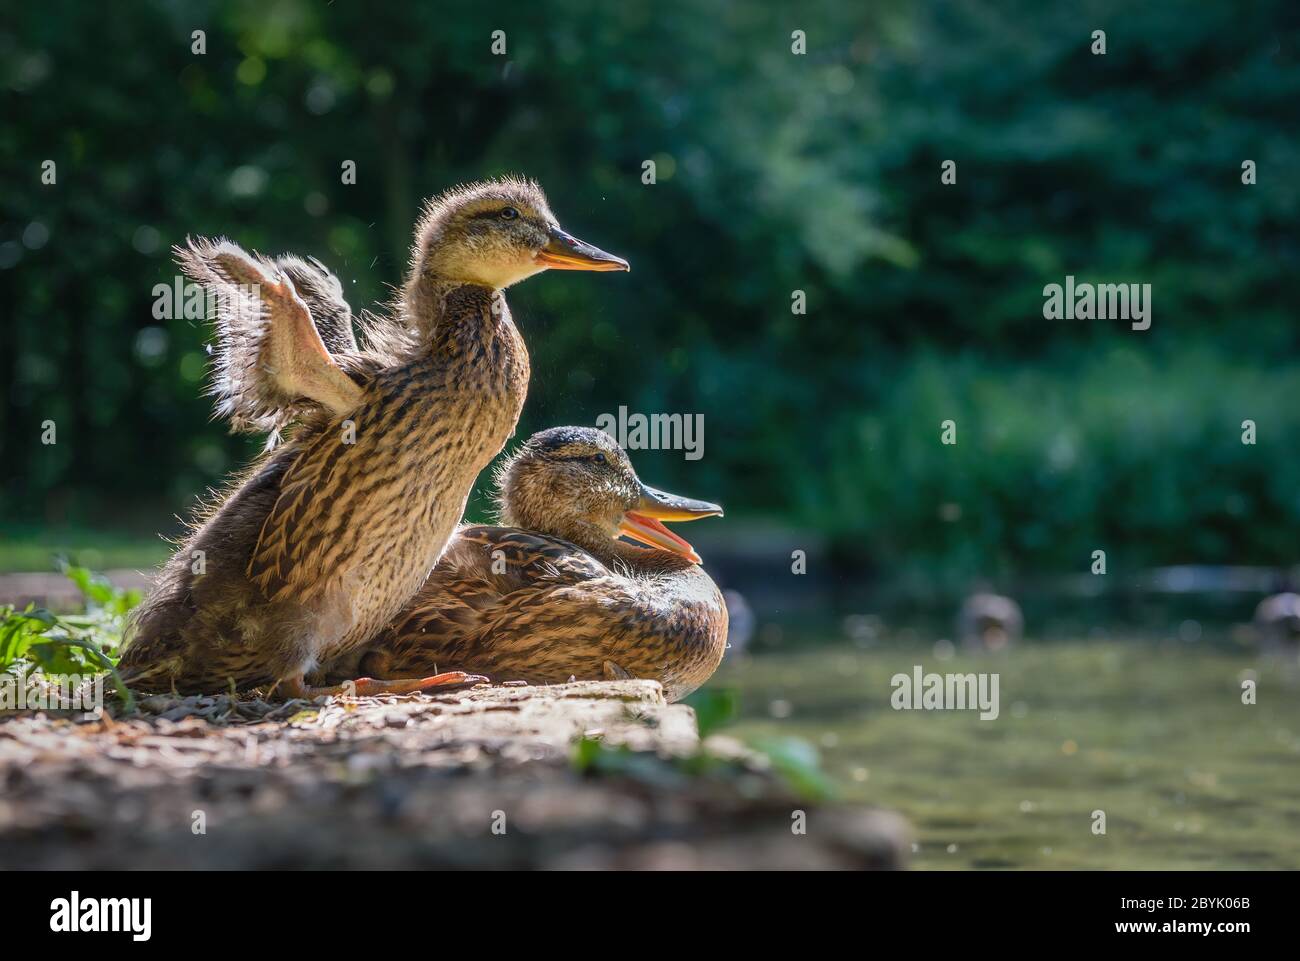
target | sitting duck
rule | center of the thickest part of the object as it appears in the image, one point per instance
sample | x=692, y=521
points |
x=1277, y=623
x=317, y=546
x=989, y=622
x=553, y=594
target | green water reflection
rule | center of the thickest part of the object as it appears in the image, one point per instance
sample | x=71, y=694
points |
x=1155, y=735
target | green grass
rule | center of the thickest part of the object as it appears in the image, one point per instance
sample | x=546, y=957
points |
x=1154, y=735
x=36, y=549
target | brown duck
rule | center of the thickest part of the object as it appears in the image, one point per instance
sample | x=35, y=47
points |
x=326, y=537
x=555, y=594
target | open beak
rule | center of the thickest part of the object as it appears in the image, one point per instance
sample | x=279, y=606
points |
x=643, y=522
x=566, y=252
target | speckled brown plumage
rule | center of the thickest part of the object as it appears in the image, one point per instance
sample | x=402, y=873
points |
x=326, y=537
x=554, y=595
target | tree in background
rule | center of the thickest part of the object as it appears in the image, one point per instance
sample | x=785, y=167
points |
x=776, y=172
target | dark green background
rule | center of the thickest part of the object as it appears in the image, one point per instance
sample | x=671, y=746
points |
x=776, y=172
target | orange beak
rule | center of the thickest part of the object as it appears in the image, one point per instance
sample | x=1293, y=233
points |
x=643, y=522
x=566, y=252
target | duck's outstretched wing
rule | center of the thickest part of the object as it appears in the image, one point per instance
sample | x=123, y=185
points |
x=271, y=361
x=323, y=294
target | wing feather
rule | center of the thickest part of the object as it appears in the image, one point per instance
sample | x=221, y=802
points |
x=271, y=362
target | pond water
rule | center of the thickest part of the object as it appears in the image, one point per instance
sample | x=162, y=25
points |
x=1154, y=734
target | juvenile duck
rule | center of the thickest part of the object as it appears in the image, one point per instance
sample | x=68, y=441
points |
x=989, y=622
x=325, y=538
x=554, y=594
x=1277, y=623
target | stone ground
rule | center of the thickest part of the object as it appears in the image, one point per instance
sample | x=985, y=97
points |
x=413, y=782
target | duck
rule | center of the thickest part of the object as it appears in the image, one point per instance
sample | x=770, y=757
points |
x=553, y=593
x=1277, y=623
x=989, y=622
x=373, y=445
x=742, y=623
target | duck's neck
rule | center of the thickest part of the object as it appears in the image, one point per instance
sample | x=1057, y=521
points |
x=425, y=297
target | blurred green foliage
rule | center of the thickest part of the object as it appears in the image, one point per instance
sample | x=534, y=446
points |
x=1118, y=451
x=794, y=761
x=776, y=173
x=35, y=641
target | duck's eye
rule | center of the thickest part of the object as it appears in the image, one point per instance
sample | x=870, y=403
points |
x=509, y=213
x=598, y=458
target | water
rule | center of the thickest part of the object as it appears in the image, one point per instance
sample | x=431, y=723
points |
x=1153, y=734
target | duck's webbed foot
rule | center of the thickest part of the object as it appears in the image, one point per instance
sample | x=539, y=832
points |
x=369, y=686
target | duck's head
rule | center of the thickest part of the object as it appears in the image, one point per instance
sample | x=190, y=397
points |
x=577, y=483
x=497, y=233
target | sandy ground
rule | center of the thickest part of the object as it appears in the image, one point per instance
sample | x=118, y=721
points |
x=479, y=778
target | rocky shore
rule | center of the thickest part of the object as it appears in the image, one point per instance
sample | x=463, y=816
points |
x=582, y=775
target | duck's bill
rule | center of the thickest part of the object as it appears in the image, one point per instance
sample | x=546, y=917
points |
x=566, y=252
x=644, y=523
